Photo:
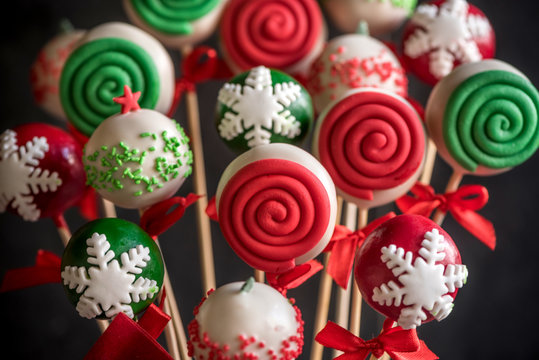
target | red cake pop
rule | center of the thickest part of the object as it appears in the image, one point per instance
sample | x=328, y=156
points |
x=409, y=269
x=443, y=34
x=42, y=171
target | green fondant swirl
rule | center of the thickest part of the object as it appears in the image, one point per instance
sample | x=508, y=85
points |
x=114, y=167
x=491, y=119
x=173, y=16
x=96, y=72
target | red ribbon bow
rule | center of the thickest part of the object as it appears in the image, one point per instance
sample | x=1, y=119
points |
x=343, y=246
x=400, y=344
x=46, y=270
x=158, y=218
x=293, y=278
x=462, y=204
x=202, y=64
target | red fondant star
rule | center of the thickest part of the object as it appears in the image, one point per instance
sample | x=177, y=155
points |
x=128, y=101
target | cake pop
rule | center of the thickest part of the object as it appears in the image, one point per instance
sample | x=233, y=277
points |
x=246, y=320
x=443, y=34
x=42, y=171
x=409, y=270
x=176, y=24
x=372, y=143
x=108, y=57
x=263, y=106
x=138, y=157
x=111, y=266
x=280, y=34
x=276, y=206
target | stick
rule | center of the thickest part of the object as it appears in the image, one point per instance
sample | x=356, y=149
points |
x=343, y=296
x=355, y=315
x=324, y=297
x=108, y=208
x=199, y=180
x=259, y=276
x=430, y=158
x=452, y=185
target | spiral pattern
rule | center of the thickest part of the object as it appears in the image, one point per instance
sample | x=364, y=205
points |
x=273, y=211
x=96, y=72
x=173, y=16
x=491, y=119
x=274, y=33
x=370, y=141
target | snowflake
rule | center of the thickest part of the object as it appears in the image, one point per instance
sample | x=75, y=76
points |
x=107, y=286
x=426, y=285
x=259, y=108
x=21, y=176
x=448, y=32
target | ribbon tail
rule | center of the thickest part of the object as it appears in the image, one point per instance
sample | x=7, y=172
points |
x=477, y=225
x=411, y=205
x=341, y=260
x=336, y=337
x=46, y=270
x=423, y=353
x=211, y=210
x=295, y=277
x=88, y=204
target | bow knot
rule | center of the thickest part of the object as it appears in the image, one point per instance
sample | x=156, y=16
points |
x=293, y=278
x=462, y=204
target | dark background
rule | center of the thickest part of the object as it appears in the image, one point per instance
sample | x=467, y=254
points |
x=494, y=316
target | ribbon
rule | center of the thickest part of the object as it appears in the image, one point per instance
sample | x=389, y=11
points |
x=88, y=204
x=343, y=246
x=400, y=344
x=126, y=339
x=462, y=204
x=211, y=210
x=293, y=278
x=159, y=217
x=45, y=271
x=201, y=65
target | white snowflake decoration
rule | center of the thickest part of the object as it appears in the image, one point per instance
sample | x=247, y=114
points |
x=448, y=32
x=260, y=107
x=21, y=176
x=425, y=284
x=108, y=287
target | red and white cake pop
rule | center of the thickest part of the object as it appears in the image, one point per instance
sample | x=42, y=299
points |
x=372, y=143
x=138, y=157
x=42, y=172
x=383, y=16
x=280, y=34
x=276, y=206
x=354, y=61
x=246, y=320
x=409, y=270
x=46, y=70
x=443, y=34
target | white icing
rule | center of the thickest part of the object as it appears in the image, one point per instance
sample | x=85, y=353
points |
x=107, y=286
x=425, y=284
x=21, y=175
x=127, y=128
x=290, y=153
x=262, y=312
x=437, y=102
x=259, y=106
x=153, y=47
x=202, y=27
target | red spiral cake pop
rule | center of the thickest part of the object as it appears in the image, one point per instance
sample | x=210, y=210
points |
x=42, y=171
x=276, y=206
x=281, y=34
x=409, y=269
x=372, y=143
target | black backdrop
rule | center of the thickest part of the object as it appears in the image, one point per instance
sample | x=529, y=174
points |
x=494, y=316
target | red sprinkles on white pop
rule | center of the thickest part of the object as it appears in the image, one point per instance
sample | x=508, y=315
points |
x=409, y=270
x=246, y=320
x=354, y=61
x=276, y=206
x=443, y=34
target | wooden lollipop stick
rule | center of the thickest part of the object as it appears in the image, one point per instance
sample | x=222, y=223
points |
x=355, y=314
x=452, y=185
x=428, y=168
x=259, y=276
x=324, y=297
x=108, y=208
x=199, y=180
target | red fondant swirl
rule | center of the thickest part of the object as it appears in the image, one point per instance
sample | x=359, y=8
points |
x=370, y=141
x=273, y=211
x=274, y=33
